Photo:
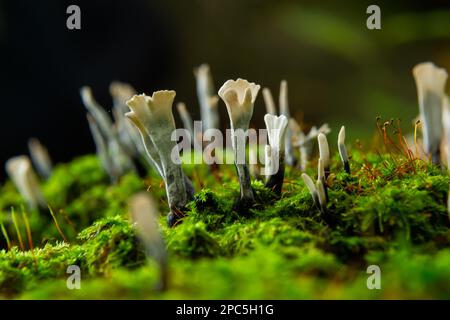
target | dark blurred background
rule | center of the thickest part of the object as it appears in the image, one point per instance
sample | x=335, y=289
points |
x=338, y=71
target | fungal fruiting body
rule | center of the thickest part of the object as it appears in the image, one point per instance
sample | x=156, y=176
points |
x=145, y=215
x=321, y=193
x=324, y=153
x=269, y=102
x=321, y=176
x=186, y=119
x=207, y=99
x=120, y=162
x=128, y=135
x=154, y=119
x=312, y=189
x=343, y=150
x=24, y=178
x=101, y=146
x=239, y=97
x=430, y=82
x=276, y=130
x=305, y=143
x=40, y=157
x=284, y=110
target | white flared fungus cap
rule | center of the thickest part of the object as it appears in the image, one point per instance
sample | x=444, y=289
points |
x=24, y=178
x=276, y=129
x=154, y=119
x=430, y=82
x=239, y=96
x=152, y=113
x=324, y=150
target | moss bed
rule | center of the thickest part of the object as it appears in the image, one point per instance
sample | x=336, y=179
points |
x=391, y=211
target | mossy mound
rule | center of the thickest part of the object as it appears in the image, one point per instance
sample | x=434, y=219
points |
x=390, y=211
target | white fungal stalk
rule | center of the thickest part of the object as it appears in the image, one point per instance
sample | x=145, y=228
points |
x=24, y=178
x=322, y=177
x=324, y=152
x=128, y=135
x=239, y=97
x=145, y=215
x=320, y=170
x=98, y=113
x=284, y=110
x=448, y=203
x=207, y=99
x=121, y=161
x=321, y=194
x=269, y=102
x=186, y=119
x=40, y=157
x=430, y=82
x=154, y=119
x=102, y=150
x=276, y=129
x=305, y=143
x=343, y=150
x=446, y=132
x=312, y=189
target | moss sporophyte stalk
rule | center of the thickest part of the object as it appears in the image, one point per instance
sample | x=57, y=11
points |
x=244, y=230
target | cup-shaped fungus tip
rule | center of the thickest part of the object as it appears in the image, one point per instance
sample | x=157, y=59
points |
x=239, y=96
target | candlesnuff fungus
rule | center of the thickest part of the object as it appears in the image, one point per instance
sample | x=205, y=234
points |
x=321, y=177
x=430, y=82
x=24, y=178
x=239, y=97
x=101, y=146
x=145, y=215
x=322, y=196
x=284, y=110
x=446, y=132
x=128, y=135
x=268, y=101
x=186, y=119
x=324, y=152
x=97, y=112
x=312, y=189
x=40, y=157
x=306, y=142
x=207, y=99
x=121, y=161
x=154, y=119
x=276, y=130
x=317, y=191
x=343, y=150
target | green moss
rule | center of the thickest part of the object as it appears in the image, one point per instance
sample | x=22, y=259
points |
x=391, y=211
x=193, y=240
x=110, y=243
